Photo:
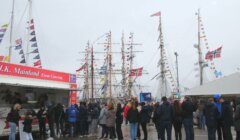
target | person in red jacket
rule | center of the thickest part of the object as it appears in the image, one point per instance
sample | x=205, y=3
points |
x=125, y=110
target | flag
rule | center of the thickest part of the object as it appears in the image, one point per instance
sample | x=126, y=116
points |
x=7, y=59
x=33, y=39
x=3, y=30
x=21, y=51
x=5, y=26
x=35, y=51
x=217, y=52
x=32, y=27
x=37, y=63
x=156, y=14
x=214, y=54
x=32, y=33
x=34, y=44
x=84, y=66
x=31, y=21
x=23, y=61
x=2, y=58
x=1, y=35
x=37, y=57
x=18, y=44
x=23, y=56
x=136, y=72
x=217, y=73
x=103, y=70
x=104, y=87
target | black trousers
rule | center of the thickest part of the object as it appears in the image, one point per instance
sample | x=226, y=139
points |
x=219, y=130
x=42, y=128
x=178, y=130
x=138, y=131
x=51, y=128
x=119, y=131
x=144, y=128
x=211, y=133
x=238, y=135
x=111, y=131
x=227, y=134
x=59, y=126
x=165, y=126
x=104, y=130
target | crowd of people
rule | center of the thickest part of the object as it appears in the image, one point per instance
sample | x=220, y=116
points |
x=83, y=120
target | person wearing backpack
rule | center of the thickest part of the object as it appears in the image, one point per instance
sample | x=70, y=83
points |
x=211, y=114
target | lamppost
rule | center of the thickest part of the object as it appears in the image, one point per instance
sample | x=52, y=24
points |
x=176, y=54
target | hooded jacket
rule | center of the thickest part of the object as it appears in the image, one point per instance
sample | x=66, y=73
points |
x=227, y=114
x=165, y=112
x=72, y=114
x=237, y=115
x=211, y=113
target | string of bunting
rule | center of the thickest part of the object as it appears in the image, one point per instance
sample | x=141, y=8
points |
x=3, y=30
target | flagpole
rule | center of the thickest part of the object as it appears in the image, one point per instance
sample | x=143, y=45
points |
x=11, y=32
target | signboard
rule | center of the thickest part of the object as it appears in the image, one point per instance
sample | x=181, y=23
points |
x=36, y=73
x=73, y=94
x=145, y=97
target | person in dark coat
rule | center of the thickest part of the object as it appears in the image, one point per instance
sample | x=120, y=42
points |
x=42, y=115
x=227, y=119
x=82, y=117
x=211, y=114
x=177, y=121
x=133, y=118
x=166, y=115
x=119, y=121
x=111, y=120
x=144, y=119
x=219, y=120
x=59, y=118
x=72, y=112
x=13, y=119
x=188, y=109
x=237, y=119
x=51, y=119
x=155, y=119
x=27, y=128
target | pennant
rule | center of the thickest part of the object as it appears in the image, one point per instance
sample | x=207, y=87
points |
x=23, y=61
x=18, y=47
x=156, y=14
x=84, y=66
x=0, y=40
x=32, y=33
x=2, y=58
x=32, y=27
x=34, y=44
x=35, y=51
x=37, y=57
x=23, y=56
x=37, y=63
x=217, y=73
x=136, y=72
x=31, y=21
x=33, y=39
x=21, y=51
x=5, y=26
x=3, y=30
x=7, y=59
x=1, y=35
x=103, y=70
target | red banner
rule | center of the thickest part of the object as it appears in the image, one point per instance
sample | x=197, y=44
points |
x=35, y=73
x=73, y=94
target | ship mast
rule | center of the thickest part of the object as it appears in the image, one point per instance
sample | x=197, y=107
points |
x=11, y=32
x=92, y=73
x=163, y=82
x=198, y=46
x=130, y=80
x=86, y=73
x=123, y=67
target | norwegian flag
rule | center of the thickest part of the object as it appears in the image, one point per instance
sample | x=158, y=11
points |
x=158, y=14
x=136, y=72
x=214, y=54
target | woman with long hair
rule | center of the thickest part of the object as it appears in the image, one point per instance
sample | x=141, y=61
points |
x=111, y=118
x=177, y=121
x=133, y=118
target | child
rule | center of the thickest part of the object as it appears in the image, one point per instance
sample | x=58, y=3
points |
x=27, y=128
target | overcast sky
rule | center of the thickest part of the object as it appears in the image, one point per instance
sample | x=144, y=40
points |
x=64, y=26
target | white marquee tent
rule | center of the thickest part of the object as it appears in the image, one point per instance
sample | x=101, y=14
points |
x=227, y=85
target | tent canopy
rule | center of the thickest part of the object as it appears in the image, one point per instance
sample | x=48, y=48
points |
x=228, y=85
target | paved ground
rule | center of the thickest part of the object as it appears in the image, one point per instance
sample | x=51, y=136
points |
x=152, y=134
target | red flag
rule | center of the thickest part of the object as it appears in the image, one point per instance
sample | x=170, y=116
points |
x=156, y=14
x=136, y=72
x=209, y=55
x=32, y=27
x=2, y=58
x=84, y=66
x=37, y=63
x=214, y=54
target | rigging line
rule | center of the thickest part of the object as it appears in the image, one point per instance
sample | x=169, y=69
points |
x=151, y=60
x=18, y=25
